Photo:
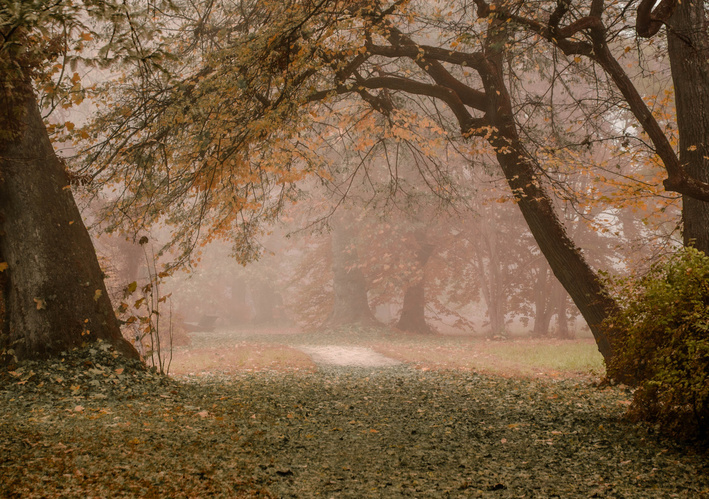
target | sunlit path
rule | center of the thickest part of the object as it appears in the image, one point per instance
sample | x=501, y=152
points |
x=347, y=356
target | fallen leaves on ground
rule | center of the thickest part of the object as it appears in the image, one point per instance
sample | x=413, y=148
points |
x=95, y=425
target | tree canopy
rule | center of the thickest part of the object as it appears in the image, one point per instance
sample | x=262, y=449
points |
x=215, y=111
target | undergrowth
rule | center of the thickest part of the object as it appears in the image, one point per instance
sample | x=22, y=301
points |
x=661, y=338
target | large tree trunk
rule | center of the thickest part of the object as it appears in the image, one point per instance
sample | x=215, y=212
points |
x=351, y=305
x=565, y=258
x=268, y=303
x=413, y=310
x=688, y=47
x=55, y=297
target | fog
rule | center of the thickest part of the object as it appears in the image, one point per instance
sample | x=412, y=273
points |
x=437, y=273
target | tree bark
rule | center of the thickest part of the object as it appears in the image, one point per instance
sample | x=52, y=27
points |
x=55, y=297
x=350, y=305
x=688, y=48
x=413, y=310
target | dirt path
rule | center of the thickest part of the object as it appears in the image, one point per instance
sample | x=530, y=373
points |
x=334, y=355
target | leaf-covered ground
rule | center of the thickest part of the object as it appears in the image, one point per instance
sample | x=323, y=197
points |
x=94, y=425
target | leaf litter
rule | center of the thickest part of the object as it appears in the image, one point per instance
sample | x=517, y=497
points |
x=92, y=424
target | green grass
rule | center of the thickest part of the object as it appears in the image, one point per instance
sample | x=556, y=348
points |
x=578, y=355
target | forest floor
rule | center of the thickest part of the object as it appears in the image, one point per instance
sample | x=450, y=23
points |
x=271, y=416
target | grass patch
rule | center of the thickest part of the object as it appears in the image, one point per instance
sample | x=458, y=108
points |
x=568, y=355
x=515, y=357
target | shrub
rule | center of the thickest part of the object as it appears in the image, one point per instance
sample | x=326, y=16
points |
x=661, y=338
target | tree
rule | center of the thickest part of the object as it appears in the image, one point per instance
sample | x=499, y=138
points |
x=492, y=246
x=499, y=128
x=350, y=302
x=688, y=48
x=290, y=59
x=270, y=84
x=53, y=290
x=413, y=308
x=589, y=35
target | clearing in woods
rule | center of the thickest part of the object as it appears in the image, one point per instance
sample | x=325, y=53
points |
x=351, y=413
